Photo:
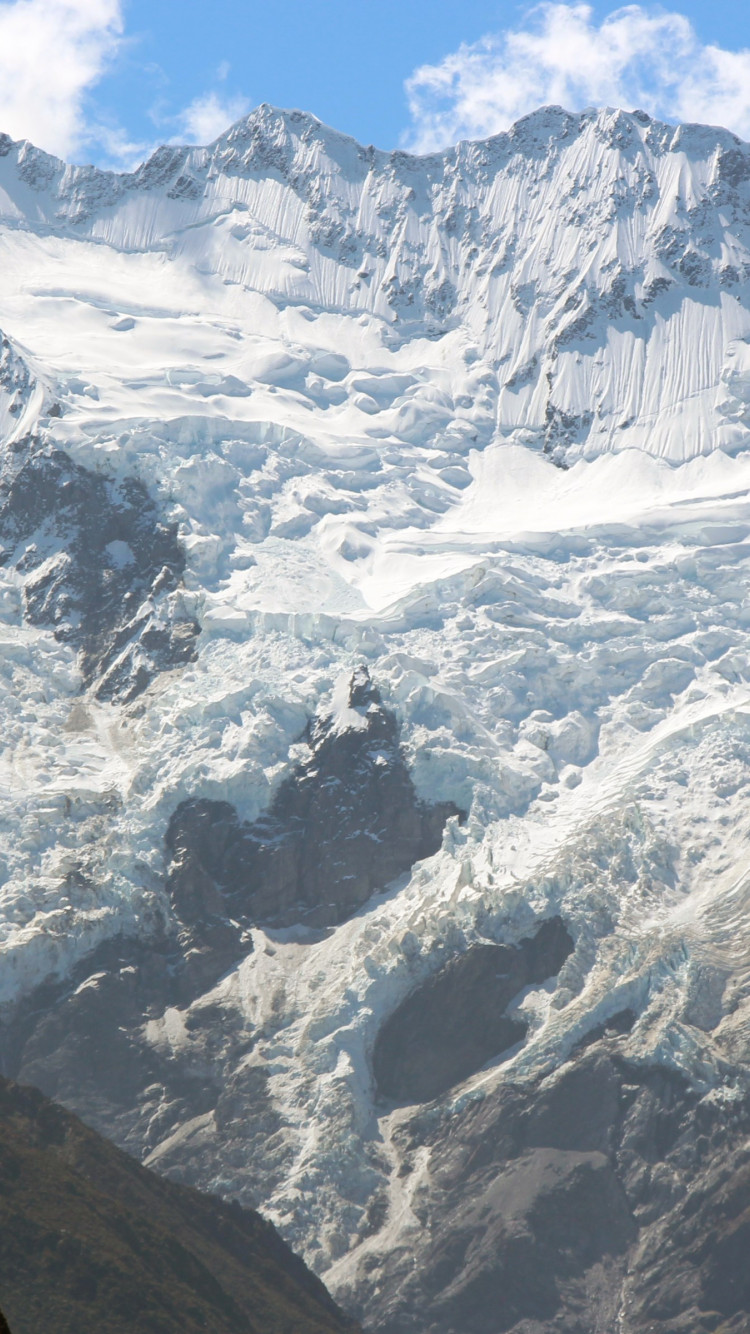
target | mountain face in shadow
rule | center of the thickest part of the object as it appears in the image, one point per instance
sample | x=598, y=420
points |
x=93, y=1243
x=343, y=825
x=447, y=1028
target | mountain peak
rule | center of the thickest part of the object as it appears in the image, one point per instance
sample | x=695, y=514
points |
x=571, y=225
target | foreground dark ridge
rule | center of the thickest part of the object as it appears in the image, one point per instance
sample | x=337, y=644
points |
x=92, y=1243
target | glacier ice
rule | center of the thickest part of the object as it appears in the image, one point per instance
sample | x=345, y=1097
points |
x=480, y=422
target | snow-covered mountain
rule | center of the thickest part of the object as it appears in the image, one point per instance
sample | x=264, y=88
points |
x=374, y=683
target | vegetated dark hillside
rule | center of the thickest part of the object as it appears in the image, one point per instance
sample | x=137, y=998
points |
x=93, y=1243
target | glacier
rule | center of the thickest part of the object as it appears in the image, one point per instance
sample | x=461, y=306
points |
x=477, y=422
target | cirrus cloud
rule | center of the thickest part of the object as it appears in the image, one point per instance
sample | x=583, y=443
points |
x=635, y=57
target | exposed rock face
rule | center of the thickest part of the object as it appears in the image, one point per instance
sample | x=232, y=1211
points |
x=92, y=1243
x=611, y=1197
x=17, y=386
x=691, y=1269
x=82, y=1042
x=344, y=824
x=446, y=1029
x=100, y=565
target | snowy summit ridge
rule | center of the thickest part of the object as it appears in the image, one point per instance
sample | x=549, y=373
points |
x=395, y=508
x=571, y=249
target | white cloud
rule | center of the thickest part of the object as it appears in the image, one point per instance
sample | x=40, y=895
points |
x=116, y=150
x=51, y=53
x=209, y=116
x=635, y=57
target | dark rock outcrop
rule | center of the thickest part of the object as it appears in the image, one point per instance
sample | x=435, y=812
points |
x=611, y=1196
x=102, y=568
x=17, y=380
x=344, y=824
x=455, y=1021
x=92, y=1243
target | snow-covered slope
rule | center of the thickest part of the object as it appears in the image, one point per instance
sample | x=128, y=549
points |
x=590, y=267
x=477, y=422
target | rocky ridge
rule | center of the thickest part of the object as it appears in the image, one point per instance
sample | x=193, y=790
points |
x=447, y=1029
x=344, y=824
x=341, y=827
x=97, y=565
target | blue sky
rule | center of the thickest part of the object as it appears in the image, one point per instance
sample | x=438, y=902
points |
x=345, y=60
x=106, y=80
